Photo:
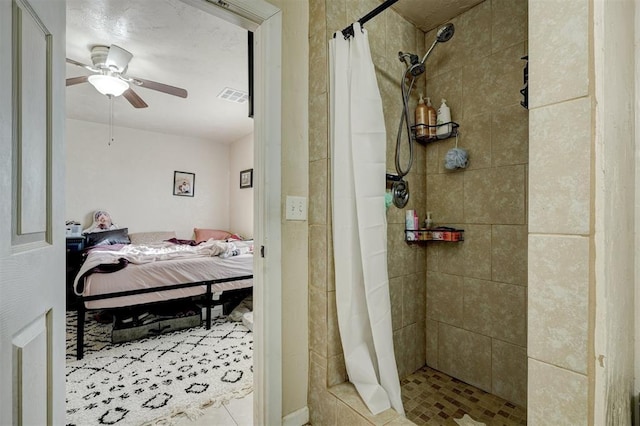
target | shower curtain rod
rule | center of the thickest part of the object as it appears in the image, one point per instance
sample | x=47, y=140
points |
x=348, y=32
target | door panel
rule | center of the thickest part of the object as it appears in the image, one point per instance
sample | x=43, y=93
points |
x=32, y=293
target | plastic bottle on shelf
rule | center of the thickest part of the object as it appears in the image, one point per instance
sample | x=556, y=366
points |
x=431, y=119
x=444, y=121
x=428, y=222
x=421, y=118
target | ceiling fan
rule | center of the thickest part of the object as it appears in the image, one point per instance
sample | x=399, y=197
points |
x=109, y=67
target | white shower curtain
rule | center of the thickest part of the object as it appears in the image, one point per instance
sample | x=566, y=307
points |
x=358, y=170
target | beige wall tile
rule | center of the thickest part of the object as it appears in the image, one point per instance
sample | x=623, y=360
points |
x=400, y=35
x=347, y=393
x=495, y=195
x=508, y=201
x=475, y=139
x=431, y=355
x=562, y=57
x=508, y=23
x=446, y=86
x=465, y=355
x=318, y=66
x=399, y=352
x=322, y=405
x=445, y=298
x=558, y=300
x=318, y=321
x=510, y=136
x=509, y=254
x=396, y=292
x=399, y=254
x=334, y=344
x=318, y=192
x=336, y=15
x=476, y=250
x=444, y=195
x=318, y=133
x=509, y=372
x=410, y=302
x=556, y=396
x=318, y=256
x=349, y=416
x=559, y=200
x=317, y=18
x=376, y=28
x=495, y=309
x=336, y=370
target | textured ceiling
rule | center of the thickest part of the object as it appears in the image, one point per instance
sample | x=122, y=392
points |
x=171, y=43
x=428, y=14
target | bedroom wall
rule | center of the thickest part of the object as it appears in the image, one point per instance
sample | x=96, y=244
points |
x=240, y=200
x=138, y=193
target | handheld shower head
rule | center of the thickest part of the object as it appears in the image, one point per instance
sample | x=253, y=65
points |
x=443, y=35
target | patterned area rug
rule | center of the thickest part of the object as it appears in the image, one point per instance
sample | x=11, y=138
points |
x=148, y=381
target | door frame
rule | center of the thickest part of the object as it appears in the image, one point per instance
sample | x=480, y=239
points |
x=265, y=20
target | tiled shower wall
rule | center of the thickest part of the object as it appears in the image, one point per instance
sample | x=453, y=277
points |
x=477, y=290
x=388, y=34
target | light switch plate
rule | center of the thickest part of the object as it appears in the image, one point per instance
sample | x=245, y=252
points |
x=296, y=208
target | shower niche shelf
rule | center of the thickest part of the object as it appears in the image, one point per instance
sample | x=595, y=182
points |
x=425, y=128
x=441, y=234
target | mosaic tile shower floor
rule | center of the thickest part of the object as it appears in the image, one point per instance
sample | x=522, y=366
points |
x=433, y=398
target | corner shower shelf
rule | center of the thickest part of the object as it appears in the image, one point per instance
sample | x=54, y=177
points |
x=425, y=128
x=441, y=234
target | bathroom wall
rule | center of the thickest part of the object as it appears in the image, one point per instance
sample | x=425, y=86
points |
x=388, y=34
x=477, y=290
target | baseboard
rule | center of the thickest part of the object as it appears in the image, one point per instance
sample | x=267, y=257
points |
x=297, y=418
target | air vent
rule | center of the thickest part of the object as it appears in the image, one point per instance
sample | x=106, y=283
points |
x=233, y=95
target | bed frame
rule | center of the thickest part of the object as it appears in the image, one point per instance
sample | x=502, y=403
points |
x=208, y=302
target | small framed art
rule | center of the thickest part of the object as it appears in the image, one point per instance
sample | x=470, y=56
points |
x=184, y=183
x=246, y=178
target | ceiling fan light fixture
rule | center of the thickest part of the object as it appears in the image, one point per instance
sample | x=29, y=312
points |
x=108, y=85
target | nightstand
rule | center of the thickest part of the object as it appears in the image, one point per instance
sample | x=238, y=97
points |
x=75, y=258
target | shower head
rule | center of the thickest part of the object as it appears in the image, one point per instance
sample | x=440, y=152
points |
x=443, y=35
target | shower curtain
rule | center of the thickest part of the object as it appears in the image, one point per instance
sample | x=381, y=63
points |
x=358, y=178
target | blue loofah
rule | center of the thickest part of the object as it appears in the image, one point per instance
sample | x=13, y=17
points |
x=456, y=158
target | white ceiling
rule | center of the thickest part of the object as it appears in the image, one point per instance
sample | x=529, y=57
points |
x=177, y=44
x=428, y=14
x=171, y=43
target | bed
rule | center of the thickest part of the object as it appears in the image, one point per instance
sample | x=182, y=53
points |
x=116, y=274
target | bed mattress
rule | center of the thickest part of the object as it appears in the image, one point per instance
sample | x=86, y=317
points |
x=164, y=273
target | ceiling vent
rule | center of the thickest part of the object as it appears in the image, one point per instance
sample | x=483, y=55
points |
x=233, y=95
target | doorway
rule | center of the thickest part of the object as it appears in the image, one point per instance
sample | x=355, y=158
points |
x=264, y=21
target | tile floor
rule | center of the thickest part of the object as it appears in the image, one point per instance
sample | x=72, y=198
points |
x=236, y=412
x=434, y=398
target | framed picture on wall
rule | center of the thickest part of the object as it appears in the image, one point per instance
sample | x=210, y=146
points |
x=184, y=184
x=246, y=178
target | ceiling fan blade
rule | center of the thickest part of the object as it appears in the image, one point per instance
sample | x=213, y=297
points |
x=77, y=80
x=80, y=64
x=160, y=87
x=118, y=58
x=134, y=99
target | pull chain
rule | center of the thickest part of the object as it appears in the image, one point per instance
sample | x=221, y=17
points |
x=110, y=119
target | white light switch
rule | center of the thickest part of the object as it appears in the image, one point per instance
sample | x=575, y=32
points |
x=296, y=208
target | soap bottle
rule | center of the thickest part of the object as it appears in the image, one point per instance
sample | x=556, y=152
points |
x=428, y=222
x=444, y=121
x=431, y=119
x=421, y=118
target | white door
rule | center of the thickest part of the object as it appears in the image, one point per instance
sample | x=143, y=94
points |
x=32, y=240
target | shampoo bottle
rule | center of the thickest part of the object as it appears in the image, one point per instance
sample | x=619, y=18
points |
x=444, y=121
x=421, y=119
x=431, y=119
x=428, y=222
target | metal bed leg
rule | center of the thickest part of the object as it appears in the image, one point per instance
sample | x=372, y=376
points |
x=208, y=304
x=80, y=331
